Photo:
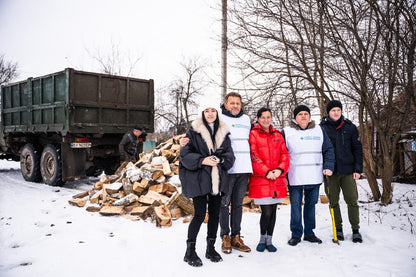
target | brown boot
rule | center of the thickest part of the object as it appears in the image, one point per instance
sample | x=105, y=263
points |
x=238, y=244
x=226, y=244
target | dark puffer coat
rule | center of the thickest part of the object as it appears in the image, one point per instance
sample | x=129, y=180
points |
x=347, y=145
x=268, y=152
x=198, y=179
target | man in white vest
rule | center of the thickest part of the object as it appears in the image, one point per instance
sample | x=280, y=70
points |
x=230, y=220
x=311, y=156
x=240, y=125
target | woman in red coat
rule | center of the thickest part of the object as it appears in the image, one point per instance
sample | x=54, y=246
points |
x=270, y=160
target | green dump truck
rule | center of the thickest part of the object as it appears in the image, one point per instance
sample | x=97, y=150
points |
x=67, y=125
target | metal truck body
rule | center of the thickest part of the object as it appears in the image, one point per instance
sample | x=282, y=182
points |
x=66, y=125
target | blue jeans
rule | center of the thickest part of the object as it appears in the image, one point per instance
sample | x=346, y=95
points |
x=237, y=187
x=311, y=198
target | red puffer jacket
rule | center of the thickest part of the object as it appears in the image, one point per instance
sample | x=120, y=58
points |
x=268, y=152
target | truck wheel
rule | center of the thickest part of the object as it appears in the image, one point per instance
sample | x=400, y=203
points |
x=30, y=163
x=50, y=166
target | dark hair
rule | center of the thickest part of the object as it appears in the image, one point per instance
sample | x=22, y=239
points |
x=216, y=125
x=232, y=94
x=262, y=110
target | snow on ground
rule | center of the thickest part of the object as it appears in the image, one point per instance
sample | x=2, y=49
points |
x=42, y=235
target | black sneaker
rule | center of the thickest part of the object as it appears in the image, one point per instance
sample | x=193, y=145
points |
x=313, y=239
x=293, y=241
x=356, y=236
x=340, y=235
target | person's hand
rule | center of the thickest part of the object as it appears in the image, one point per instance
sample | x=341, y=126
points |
x=270, y=175
x=327, y=172
x=209, y=161
x=277, y=173
x=183, y=141
x=356, y=176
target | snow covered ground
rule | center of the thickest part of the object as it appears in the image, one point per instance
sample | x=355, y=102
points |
x=42, y=235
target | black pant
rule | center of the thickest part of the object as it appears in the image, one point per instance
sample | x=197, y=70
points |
x=267, y=219
x=200, y=206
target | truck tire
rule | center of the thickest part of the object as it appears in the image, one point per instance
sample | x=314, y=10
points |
x=30, y=163
x=51, y=166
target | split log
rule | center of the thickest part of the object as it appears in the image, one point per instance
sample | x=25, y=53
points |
x=78, y=202
x=93, y=209
x=162, y=215
x=152, y=196
x=159, y=188
x=126, y=200
x=175, y=147
x=145, y=211
x=98, y=185
x=81, y=195
x=247, y=200
x=166, y=168
x=112, y=210
x=176, y=212
x=113, y=187
x=184, y=203
x=94, y=199
x=127, y=186
x=156, y=174
x=137, y=188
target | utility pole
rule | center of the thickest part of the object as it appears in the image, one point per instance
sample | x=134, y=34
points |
x=224, y=47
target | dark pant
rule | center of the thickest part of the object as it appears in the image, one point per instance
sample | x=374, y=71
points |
x=347, y=184
x=200, y=207
x=311, y=198
x=236, y=191
x=267, y=219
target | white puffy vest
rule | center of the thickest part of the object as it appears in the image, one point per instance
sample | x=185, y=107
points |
x=305, y=151
x=239, y=133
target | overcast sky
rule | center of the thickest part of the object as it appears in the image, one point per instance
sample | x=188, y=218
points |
x=45, y=36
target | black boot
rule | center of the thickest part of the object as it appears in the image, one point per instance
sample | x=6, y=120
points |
x=211, y=253
x=190, y=256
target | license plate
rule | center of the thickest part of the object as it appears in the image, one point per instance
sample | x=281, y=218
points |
x=80, y=144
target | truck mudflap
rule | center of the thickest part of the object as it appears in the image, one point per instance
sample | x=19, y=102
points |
x=73, y=162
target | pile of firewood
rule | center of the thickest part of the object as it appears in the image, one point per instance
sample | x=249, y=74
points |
x=148, y=188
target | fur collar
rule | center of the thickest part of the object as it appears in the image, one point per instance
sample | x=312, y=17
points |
x=222, y=132
x=296, y=126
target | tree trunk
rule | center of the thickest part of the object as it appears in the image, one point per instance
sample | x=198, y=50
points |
x=386, y=177
x=372, y=181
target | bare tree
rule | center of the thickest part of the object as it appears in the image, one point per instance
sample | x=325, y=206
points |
x=361, y=51
x=115, y=61
x=8, y=70
x=179, y=98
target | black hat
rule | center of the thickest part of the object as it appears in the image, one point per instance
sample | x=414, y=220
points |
x=138, y=127
x=332, y=104
x=301, y=108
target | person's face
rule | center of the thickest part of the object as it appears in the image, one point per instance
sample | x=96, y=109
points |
x=210, y=115
x=335, y=113
x=137, y=133
x=265, y=120
x=233, y=105
x=303, y=119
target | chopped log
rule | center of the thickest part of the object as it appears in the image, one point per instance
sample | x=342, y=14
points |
x=137, y=188
x=113, y=188
x=162, y=215
x=110, y=198
x=145, y=211
x=93, y=209
x=159, y=188
x=186, y=220
x=78, y=202
x=112, y=210
x=287, y=201
x=157, y=174
x=130, y=207
x=94, y=199
x=131, y=217
x=166, y=168
x=128, y=199
x=121, y=167
x=81, y=195
x=176, y=213
x=144, y=183
x=127, y=186
x=175, y=147
x=152, y=196
x=98, y=185
x=184, y=203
